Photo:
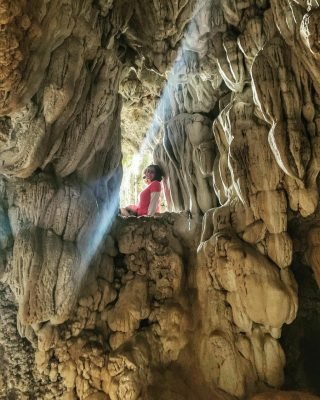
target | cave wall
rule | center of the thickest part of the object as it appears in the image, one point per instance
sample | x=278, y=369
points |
x=171, y=307
x=255, y=144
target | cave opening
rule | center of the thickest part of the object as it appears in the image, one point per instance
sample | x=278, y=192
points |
x=169, y=104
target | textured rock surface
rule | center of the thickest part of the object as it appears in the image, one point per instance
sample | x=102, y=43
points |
x=285, y=396
x=159, y=308
x=18, y=374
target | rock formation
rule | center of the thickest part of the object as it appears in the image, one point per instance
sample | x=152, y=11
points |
x=189, y=304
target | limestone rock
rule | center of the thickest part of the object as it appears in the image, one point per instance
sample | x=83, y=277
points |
x=284, y=396
x=46, y=281
x=313, y=252
x=131, y=307
x=226, y=96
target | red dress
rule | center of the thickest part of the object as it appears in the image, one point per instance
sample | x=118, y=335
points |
x=148, y=200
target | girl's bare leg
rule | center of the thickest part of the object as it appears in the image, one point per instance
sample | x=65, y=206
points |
x=124, y=212
x=127, y=212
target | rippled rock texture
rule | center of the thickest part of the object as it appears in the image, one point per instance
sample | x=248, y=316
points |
x=170, y=307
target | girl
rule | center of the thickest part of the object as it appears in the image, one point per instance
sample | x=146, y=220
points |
x=150, y=196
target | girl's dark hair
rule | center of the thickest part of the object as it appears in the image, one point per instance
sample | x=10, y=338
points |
x=158, y=172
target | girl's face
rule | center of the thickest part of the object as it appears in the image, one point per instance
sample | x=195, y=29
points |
x=149, y=174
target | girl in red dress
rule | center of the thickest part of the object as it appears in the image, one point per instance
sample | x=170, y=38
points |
x=149, y=198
